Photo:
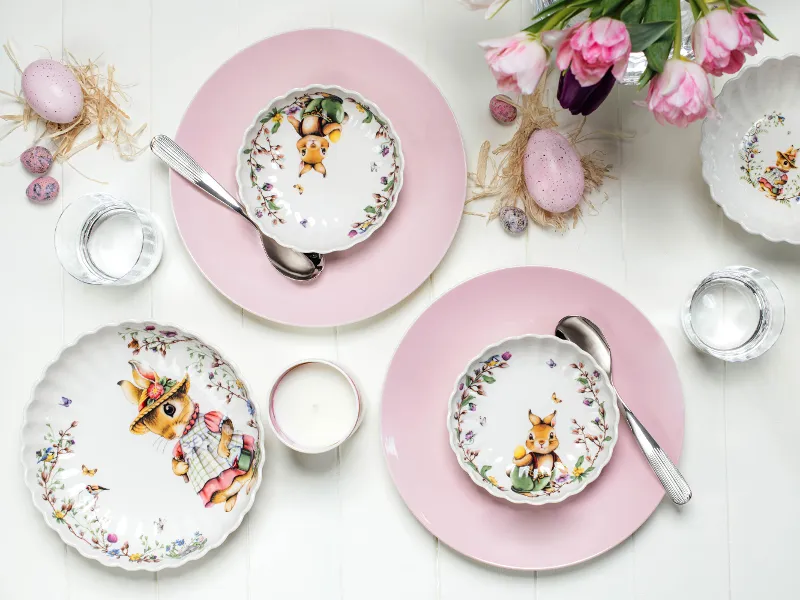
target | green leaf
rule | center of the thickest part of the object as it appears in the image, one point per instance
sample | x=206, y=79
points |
x=466, y=401
x=389, y=185
x=658, y=52
x=646, y=77
x=275, y=127
x=248, y=151
x=609, y=6
x=727, y=4
x=272, y=205
x=589, y=470
x=579, y=462
x=570, y=7
x=368, y=118
x=644, y=34
x=764, y=28
x=488, y=379
x=583, y=380
x=470, y=381
x=264, y=120
x=634, y=12
x=485, y=469
x=607, y=438
x=370, y=209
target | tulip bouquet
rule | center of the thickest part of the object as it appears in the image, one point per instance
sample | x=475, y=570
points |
x=592, y=55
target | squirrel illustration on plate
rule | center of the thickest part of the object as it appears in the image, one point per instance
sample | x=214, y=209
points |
x=535, y=462
x=218, y=461
x=320, y=123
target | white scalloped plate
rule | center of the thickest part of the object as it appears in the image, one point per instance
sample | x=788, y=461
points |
x=113, y=494
x=533, y=396
x=749, y=152
x=320, y=169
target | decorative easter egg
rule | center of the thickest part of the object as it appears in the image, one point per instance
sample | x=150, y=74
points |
x=513, y=219
x=553, y=171
x=52, y=91
x=37, y=159
x=42, y=189
x=503, y=109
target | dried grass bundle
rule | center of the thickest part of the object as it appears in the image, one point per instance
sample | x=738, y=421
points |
x=508, y=180
x=102, y=96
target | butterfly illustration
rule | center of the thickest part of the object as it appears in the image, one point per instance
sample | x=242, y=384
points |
x=304, y=222
x=482, y=420
x=300, y=189
x=159, y=524
x=374, y=167
x=556, y=399
x=65, y=402
x=551, y=363
x=87, y=471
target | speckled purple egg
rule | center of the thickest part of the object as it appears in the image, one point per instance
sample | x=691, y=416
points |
x=37, y=159
x=513, y=219
x=503, y=109
x=42, y=189
x=553, y=171
x=52, y=91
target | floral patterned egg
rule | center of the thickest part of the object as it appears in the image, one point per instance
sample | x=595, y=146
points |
x=37, y=159
x=52, y=91
x=553, y=171
x=42, y=189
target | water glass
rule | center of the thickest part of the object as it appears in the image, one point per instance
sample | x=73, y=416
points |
x=103, y=240
x=734, y=314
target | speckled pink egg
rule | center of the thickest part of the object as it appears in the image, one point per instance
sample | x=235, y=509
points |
x=502, y=109
x=42, y=189
x=36, y=160
x=52, y=91
x=553, y=171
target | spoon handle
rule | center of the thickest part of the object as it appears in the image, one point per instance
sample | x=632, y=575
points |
x=184, y=165
x=666, y=471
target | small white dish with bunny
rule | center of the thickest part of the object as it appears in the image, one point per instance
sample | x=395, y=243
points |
x=533, y=420
x=141, y=446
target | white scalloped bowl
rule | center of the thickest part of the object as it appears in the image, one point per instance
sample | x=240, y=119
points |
x=114, y=494
x=539, y=386
x=759, y=117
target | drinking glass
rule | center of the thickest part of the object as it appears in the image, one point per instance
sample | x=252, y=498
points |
x=734, y=314
x=103, y=240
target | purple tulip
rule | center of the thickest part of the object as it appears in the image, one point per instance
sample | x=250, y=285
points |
x=506, y=355
x=583, y=100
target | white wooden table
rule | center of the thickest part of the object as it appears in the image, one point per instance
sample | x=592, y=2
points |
x=333, y=526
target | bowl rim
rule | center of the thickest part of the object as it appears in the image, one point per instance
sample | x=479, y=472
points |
x=359, y=98
x=538, y=500
x=706, y=151
x=128, y=565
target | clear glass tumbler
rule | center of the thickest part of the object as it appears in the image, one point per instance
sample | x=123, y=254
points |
x=734, y=314
x=103, y=240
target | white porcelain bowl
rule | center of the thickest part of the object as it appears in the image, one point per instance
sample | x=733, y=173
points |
x=749, y=152
x=320, y=169
x=533, y=420
x=141, y=447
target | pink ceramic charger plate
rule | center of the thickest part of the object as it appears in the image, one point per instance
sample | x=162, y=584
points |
x=436, y=349
x=367, y=279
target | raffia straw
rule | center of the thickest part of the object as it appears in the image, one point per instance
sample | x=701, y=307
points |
x=102, y=111
x=507, y=183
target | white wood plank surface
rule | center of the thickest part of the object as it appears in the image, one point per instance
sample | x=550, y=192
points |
x=333, y=526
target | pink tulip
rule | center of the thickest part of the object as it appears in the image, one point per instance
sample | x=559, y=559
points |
x=591, y=48
x=517, y=63
x=680, y=94
x=721, y=39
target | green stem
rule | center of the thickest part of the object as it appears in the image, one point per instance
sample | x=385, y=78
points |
x=701, y=4
x=556, y=19
x=676, y=46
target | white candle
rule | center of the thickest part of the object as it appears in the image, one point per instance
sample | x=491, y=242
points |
x=314, y=407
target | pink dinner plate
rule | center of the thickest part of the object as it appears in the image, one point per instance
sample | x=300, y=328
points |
x=371, y=277
x=419, y=383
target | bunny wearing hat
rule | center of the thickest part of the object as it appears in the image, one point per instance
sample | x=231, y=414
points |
x=217, y=461
x=777, y=175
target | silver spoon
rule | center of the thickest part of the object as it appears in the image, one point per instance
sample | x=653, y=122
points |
x=294, y=265
x=588, y=337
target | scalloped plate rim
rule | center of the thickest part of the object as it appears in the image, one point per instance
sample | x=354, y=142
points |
x=517, y=498
x=377, y=110
x=133, y=566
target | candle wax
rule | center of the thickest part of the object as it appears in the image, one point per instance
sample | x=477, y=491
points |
x=315, y=406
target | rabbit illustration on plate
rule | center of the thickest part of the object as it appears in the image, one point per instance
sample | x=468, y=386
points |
x=218, y=461
x=536, y=463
